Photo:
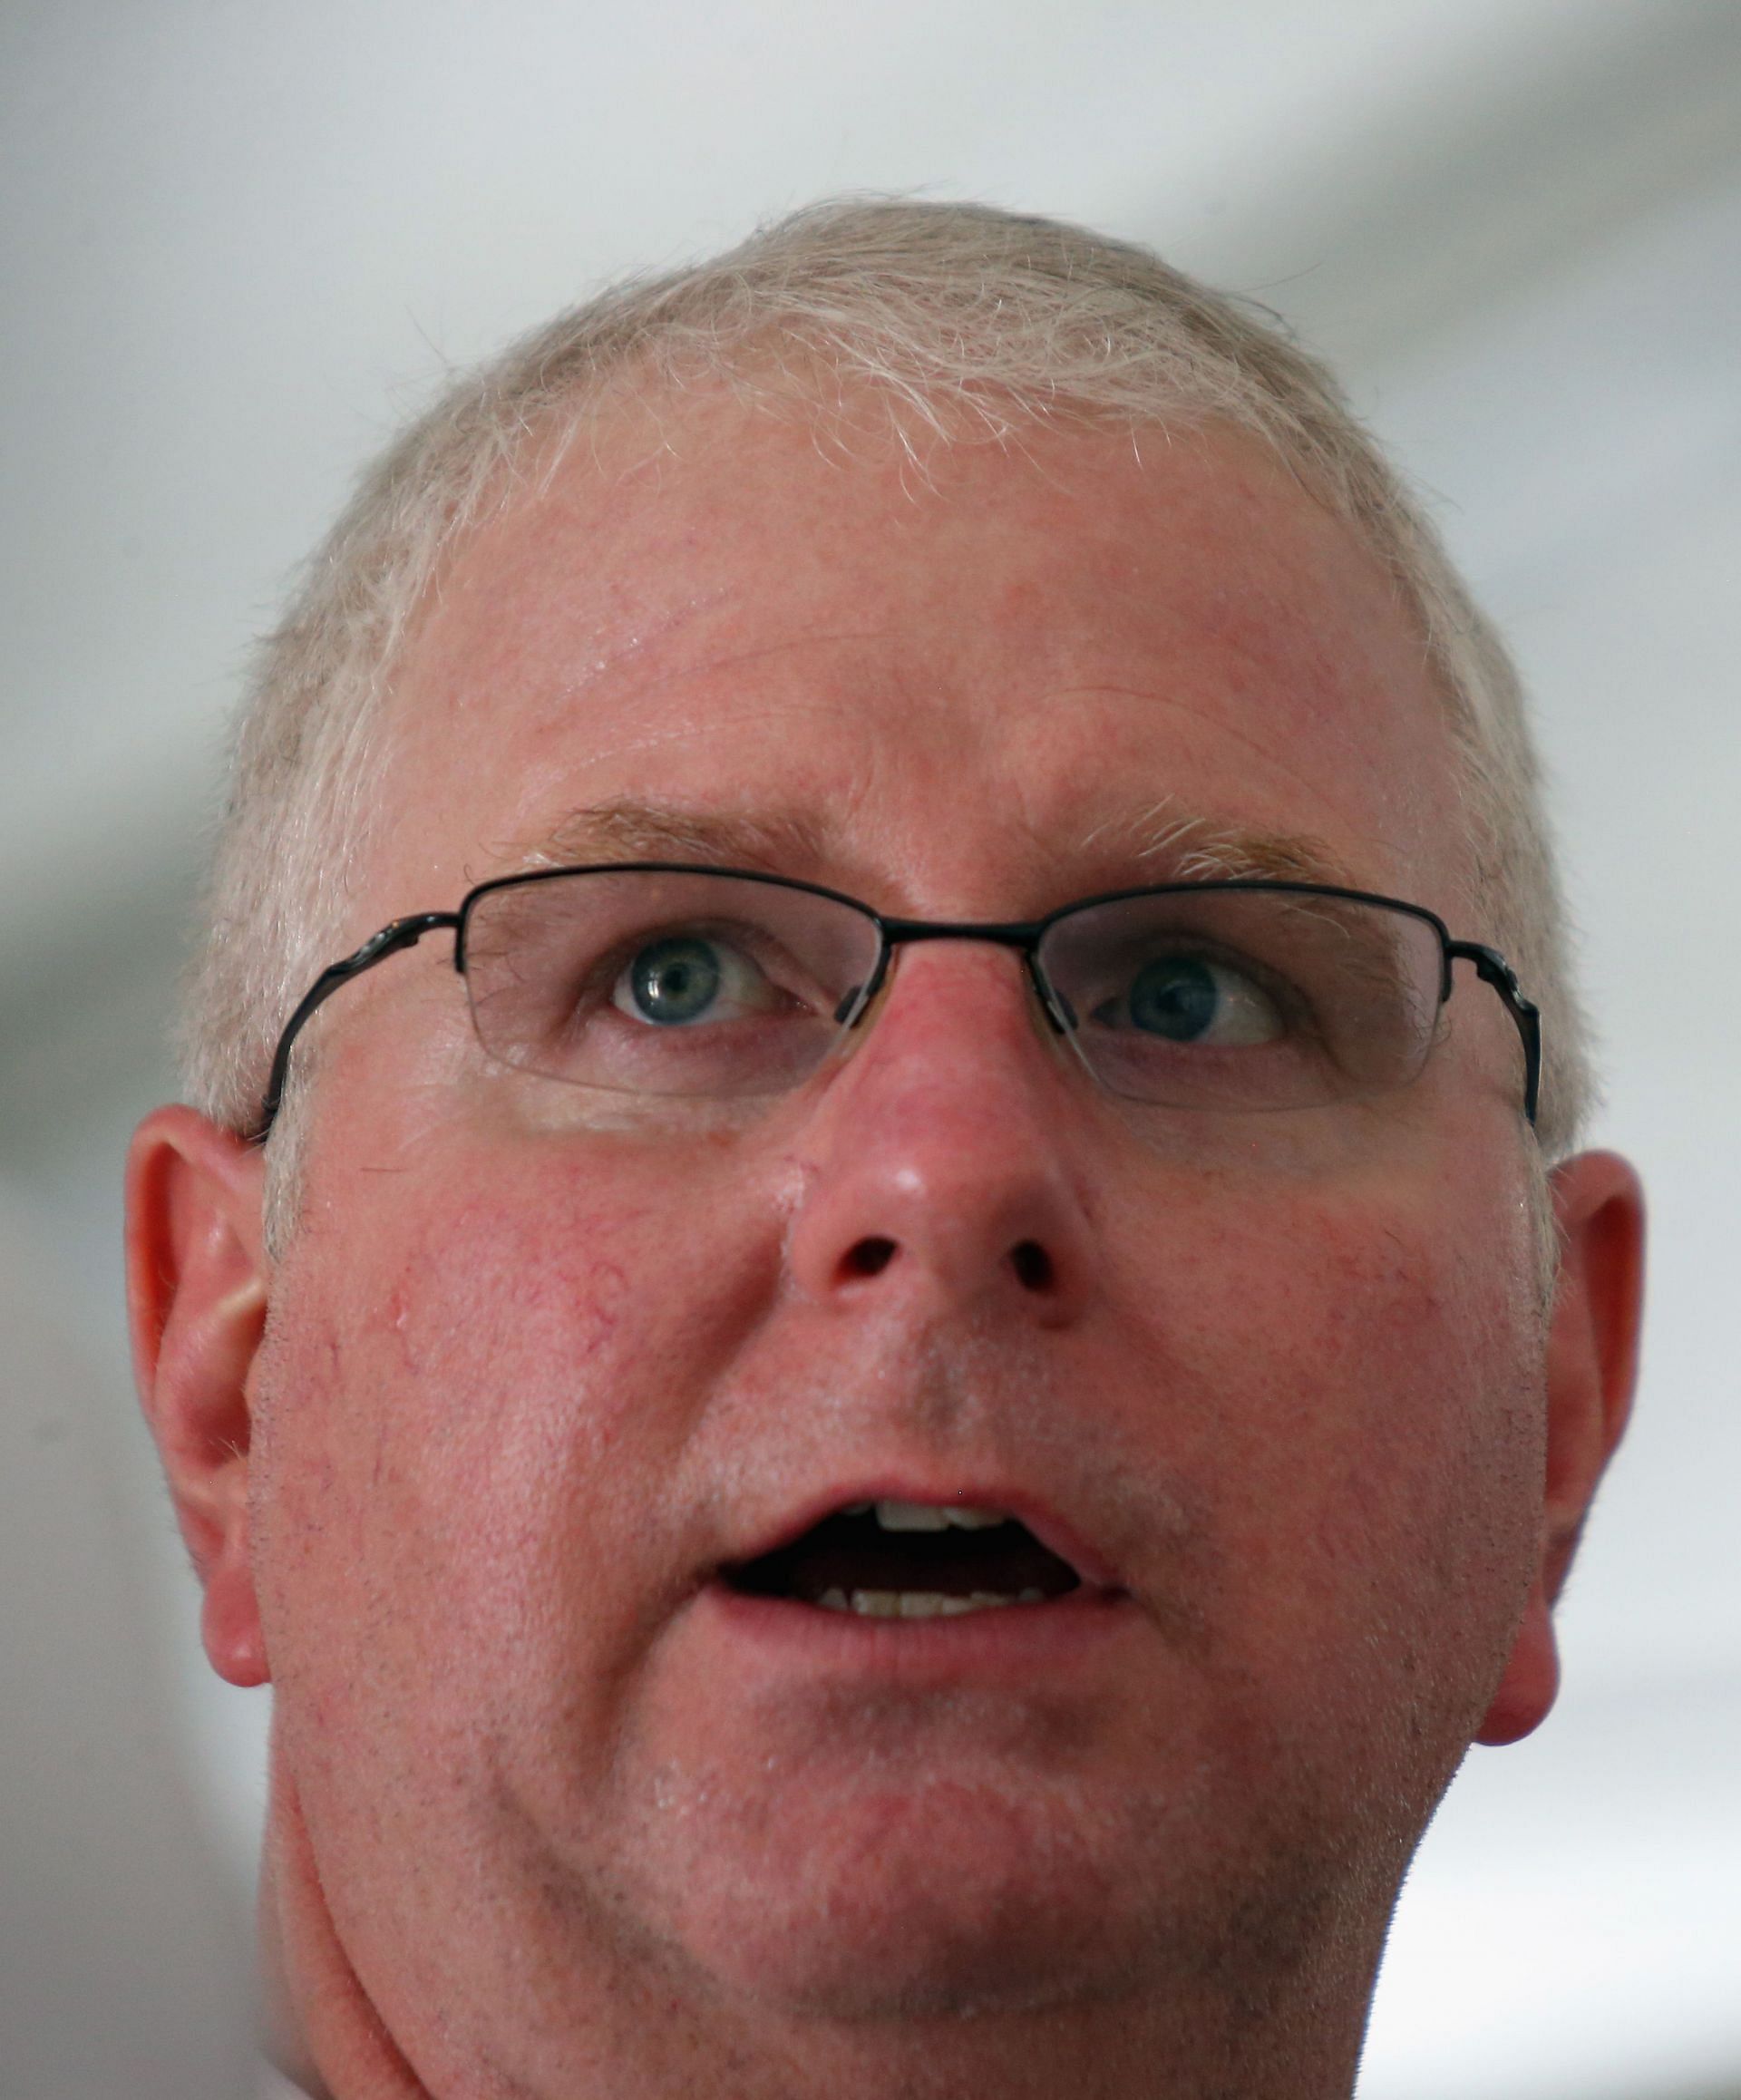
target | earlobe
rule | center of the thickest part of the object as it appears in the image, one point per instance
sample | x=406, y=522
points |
x=196, y=1297
x=1591, y=1368
x=1531, y=1681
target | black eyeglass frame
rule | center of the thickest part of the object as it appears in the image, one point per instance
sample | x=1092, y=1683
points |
x=1024, y=935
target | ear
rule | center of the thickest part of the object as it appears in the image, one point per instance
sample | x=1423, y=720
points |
x=1592, y=1364
x=195, y=1304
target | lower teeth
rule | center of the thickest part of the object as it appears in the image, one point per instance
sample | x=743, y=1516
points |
x=920, y=1603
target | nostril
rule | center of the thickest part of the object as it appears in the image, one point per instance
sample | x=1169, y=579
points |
x=1032, y=1264
x=868, y=1258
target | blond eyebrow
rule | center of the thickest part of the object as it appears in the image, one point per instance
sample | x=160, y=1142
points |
x=1179, y=848
x=1172, y=847
x=621, y=830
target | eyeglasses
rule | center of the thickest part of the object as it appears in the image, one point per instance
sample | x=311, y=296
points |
x=661, y=980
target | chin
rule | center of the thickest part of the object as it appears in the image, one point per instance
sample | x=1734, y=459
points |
x=929, y=1968
x=947, y=1901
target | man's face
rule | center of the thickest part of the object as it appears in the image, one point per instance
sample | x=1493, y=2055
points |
x=538, y=1363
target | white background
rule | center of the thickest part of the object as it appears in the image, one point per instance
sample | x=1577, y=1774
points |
x=240, y=241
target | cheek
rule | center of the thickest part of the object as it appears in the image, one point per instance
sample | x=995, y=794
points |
x=1356, y=1408
x=472, y=1417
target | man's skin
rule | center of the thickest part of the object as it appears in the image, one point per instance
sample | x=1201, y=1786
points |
x=551, y=1813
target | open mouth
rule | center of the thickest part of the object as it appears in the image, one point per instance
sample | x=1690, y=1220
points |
x=890, y=1560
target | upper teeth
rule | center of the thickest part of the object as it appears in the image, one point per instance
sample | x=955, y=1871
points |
x=930, y=1516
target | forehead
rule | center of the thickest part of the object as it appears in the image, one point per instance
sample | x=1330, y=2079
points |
x=1007, y=668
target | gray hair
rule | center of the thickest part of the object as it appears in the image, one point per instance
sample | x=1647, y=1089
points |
x=956, y=323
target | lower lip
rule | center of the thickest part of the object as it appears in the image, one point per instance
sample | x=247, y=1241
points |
x=1013, y=1640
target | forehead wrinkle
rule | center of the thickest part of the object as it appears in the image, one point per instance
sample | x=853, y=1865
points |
x=628, y=643
x=703, y=665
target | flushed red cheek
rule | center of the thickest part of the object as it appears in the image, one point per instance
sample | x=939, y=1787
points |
x=1346, y=1377
x=539, y=1294
x=516, y=1377
x=428, y=1507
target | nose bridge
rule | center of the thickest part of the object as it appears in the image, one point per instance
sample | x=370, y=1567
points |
x=1020, y=937
x=995, y=933
x=939, y=1157
x=952, y=997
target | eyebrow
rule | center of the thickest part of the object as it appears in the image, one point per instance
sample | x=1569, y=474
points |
x=772, y=844
x=1178, y=846
x=1174, y=846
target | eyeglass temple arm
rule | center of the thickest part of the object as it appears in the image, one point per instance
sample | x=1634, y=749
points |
x=397, y=934
x=1492, y=969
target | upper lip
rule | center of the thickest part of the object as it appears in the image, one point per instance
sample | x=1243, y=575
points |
x=1054, y=1532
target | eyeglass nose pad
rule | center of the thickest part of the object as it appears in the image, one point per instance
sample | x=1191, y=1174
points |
x=1061, y=1015
x=1054, y=1004
x=852, y=1006
x=853, y=1009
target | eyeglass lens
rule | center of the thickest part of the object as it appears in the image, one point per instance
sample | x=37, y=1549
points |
x=700, y=984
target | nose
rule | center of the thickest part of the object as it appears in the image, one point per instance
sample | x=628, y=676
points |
x=941, y=1163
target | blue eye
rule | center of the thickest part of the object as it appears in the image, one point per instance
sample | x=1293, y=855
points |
x=671, y=982
x=682, y=979
x=1186, y=998
x=1176, y=998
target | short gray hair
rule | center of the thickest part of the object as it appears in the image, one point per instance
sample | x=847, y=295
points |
x=957, y=323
